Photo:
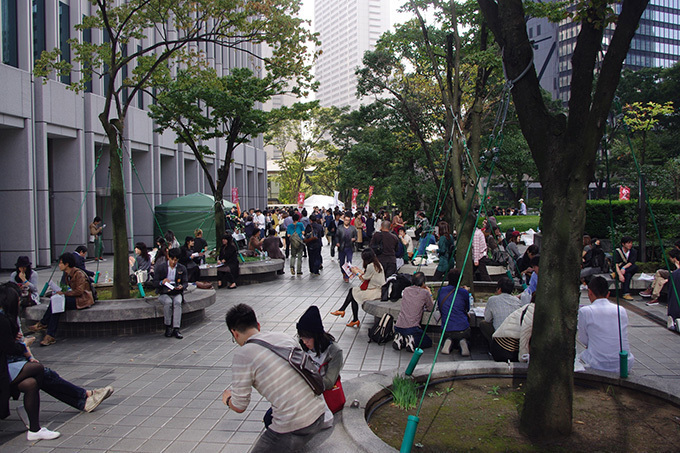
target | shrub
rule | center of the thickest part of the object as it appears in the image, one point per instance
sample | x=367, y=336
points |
x=404, y=392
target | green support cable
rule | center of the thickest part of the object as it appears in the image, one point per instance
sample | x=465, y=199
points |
x=80, y=209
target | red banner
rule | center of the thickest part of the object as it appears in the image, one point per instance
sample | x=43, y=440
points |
x=624, y=193
x=370, y=193
x=234, y=195
x=301, y=200
x=355, y=193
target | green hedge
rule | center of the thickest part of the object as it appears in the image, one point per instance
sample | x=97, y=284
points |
x=626, y=219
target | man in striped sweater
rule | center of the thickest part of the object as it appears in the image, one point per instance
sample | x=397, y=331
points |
x=297, y=414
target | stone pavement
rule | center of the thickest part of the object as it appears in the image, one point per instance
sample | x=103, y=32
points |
x=168, y=391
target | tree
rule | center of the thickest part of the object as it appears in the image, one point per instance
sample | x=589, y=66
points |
x=200, y=106
x=147, y=36
x=444, y=100
x=564, y=148
x=644, y=117
x=303, y=142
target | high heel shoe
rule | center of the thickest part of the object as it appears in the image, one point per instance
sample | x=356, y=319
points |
x=353, y=324
x=338, y=313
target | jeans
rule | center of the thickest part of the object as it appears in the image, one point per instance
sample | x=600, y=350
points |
x=627, y=277
x=271, y=441
x=296, y=258
x=421, y=338
x=172, y=309
x=63, y=390
x=51, y=320
x=344, y=255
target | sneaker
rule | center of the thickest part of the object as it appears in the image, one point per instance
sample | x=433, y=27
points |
x=670, y=323
x=628, y=297
x=94, y=400
x=446, y=349
x=410, y=343
x=398, y=341
x=464, y=350
x=21, y=411
x=652, y=302
x=646, y=293
x=43, y=434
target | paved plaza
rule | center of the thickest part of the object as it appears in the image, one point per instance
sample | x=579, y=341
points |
x=168, y=392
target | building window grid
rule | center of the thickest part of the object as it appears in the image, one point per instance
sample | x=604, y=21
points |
x=9, y=33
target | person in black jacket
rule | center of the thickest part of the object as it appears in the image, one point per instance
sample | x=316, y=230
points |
x=17, y=372
x=229, y=270
x=200, y=246
x=170, y=280
x=625, y=258
x=186, y=258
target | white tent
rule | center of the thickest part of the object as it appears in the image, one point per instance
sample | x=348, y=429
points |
x=322, y=201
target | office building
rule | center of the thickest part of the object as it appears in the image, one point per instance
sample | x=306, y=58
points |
x=656, y=44
x=347, y=29
x=51, y=138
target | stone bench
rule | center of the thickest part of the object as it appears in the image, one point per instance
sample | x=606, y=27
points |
x=495, y=272
x=250, y=272
x=124, y=316
x=635, y=283
x=378, y=308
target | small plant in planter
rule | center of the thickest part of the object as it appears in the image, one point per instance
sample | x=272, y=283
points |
x=404, y=392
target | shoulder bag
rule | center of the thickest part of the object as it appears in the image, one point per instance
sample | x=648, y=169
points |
x=300, y=362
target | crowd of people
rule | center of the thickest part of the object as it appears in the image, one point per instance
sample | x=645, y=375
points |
x=383, y=244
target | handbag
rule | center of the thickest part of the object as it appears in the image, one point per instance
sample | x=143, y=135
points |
x=335, y=397
x=364, y=285
x=300, y=362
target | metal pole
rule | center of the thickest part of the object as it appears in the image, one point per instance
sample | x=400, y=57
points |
x=642, y=205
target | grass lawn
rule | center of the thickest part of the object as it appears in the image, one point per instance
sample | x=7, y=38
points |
x=518, y=222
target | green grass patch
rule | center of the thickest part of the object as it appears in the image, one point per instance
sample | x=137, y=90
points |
x=107, y=294
x=404, y=392
x=518, y=222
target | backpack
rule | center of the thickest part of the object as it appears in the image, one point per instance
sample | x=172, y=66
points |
x=598, y=259
x=383, y=331
x=296, y=241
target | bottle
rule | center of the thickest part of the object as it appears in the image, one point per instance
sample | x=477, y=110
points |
x=472, y=301
x=266, y=256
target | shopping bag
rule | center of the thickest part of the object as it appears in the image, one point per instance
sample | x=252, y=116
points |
x=58, y=302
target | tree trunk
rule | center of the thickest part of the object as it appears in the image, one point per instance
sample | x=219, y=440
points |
x=220, y=227
x=549, y=390
x=121, y=285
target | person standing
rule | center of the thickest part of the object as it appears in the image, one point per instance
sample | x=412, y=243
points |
x=479, y=255
x=673, y=291
x=444, y=249
x=297, y=246
x=387, y=243
x=228, y=271
x=331, y=229
x=346, y=236
x=96, y=231
x=170, y=279
x=297, y=413
x=313, y=235
x=522, y=207
x=260, y=222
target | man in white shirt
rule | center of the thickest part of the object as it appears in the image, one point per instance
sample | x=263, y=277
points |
x=499, y=307
x=297, y=413
x=260, y=222
x=598, y=330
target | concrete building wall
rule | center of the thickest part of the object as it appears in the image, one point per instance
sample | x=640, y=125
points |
x=54, y=176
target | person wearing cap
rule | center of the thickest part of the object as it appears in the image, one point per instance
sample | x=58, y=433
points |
x=512, y=238
x=27, y=279
x=321, y=347
x=522, y=207
x=297, y=413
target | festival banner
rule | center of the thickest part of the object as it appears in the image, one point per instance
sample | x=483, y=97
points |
x=624, y=193
x=301, y=200
x=370, y=194
x=355, y=193
x=234, y=199
x=336, y=194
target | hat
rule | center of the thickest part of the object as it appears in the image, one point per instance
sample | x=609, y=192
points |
x=515, y=233
x=521, y=200
x=23, y=261
x=311, y=321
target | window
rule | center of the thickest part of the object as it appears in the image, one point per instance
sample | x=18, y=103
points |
x=140, y=93
x=38, y=28
x=538, y=30
x=10, y=46
x=64, y=30
x=531, y=32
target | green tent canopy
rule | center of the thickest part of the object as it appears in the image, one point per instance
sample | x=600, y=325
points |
x=184, y=214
